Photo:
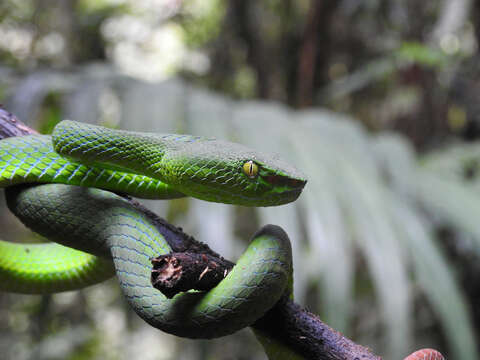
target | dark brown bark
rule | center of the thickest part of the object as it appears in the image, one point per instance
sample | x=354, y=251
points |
x=311, y=60
x=177, y=272
x=308, y=335
x=287, y=322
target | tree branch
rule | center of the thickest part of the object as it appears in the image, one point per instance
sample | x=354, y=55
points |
x=177, y=272
x=193, y=265
x=11, y=126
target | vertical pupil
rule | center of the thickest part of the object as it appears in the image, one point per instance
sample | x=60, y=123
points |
x=251, y=169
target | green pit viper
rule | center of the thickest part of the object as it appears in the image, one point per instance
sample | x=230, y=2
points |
x=98, y=234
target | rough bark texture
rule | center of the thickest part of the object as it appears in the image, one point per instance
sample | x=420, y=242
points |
x=11, y=126
x=308, y=335
x=177, y=272
x=287, y=321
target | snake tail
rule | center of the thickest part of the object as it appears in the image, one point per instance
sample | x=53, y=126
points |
x=48, y=268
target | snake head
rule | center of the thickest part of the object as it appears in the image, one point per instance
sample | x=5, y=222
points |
x=221, y=171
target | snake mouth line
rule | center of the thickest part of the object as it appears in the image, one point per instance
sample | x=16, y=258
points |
x=285, y=181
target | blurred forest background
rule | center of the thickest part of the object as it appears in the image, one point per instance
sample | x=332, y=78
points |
x=376, y=101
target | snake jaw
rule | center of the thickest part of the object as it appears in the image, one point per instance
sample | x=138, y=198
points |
x=210, y=175
x=208, y=169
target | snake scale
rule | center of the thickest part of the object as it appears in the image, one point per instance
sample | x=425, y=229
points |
x=92, y=227
x=99, y=234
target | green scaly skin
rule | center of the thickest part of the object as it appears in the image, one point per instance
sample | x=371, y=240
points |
x=107, y=225
x=49, y=268
x=104, y=225
x=31, y=159
x=207, y=169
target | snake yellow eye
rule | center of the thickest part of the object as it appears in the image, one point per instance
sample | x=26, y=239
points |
x=250, y=169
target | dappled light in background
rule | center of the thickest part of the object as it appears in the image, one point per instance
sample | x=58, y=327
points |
x=143, y=40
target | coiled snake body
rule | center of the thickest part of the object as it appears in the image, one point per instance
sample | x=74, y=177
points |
x=99, y=234
x=98, y=226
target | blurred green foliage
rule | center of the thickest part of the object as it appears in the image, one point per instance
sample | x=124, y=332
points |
x=50, y=113
x=422, y=54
